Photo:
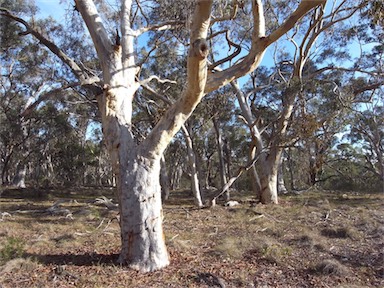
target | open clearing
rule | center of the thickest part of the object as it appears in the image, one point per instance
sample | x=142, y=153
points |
x=316, y=239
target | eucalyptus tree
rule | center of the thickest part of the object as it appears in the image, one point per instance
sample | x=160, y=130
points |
x=137, y=165
x=367, y=132
x=301, y=73
x=22, y=71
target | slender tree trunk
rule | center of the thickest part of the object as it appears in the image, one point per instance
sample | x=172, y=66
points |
x=257, y=143
x=281, y=189
x=19, y=178
x=5, y=168
x=255, y=180
x=21, y=169
x=290, y=169
x=192, y=164
x=164, y=180
x=223, y=174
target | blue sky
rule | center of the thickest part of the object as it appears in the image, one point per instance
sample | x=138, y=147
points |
x=52, y=8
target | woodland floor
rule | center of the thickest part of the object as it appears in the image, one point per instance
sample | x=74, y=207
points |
x=316, y=239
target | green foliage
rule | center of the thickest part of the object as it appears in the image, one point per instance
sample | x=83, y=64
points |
x=11, y=249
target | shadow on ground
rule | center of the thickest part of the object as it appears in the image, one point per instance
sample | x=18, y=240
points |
x=87, y=259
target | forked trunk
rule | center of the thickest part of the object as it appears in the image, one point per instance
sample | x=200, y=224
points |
x=143, y=246
x=138, y=185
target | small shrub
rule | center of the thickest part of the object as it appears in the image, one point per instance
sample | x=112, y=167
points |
x=13, y=248
x=233, y=247
x=310, y=240
x=330, y=267
x=275, y=253
x=338, y=233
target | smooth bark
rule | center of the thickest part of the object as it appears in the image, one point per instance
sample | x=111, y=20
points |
x=164, y=180
x=193, y=167
x=222, y=170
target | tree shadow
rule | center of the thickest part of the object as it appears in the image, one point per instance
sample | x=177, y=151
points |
x=86, y=259
x=42, y=193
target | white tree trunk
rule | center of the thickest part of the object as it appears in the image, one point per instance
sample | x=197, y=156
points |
x=137, y=168
x=268, y=181
x=143, y=246
x=258, y=145
x=164, y=180
x=192, y=165
x=281, y=189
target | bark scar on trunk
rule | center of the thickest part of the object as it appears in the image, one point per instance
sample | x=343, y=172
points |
x=200, y=49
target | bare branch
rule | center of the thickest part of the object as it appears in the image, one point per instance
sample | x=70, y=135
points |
x=158, y=95
x=96, y=28
x=352, y=70
x=153, y=77
x=228, y=58
x=45, y=96
x=169, y=25
x=369, y=87
x=302, y=9
x=240, y=171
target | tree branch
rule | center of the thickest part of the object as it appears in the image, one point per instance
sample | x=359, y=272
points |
x=154, y=77
x=96, y=29
x=179, y=112
x=79, y=73
x=127, y=41
x=304, y=7
x=228, y=58
x=160, y=27
x=230, y=16
x=372, y=86
x=217, y=79
x=28, y=109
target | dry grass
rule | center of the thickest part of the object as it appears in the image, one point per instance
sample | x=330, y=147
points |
x=317, y=239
